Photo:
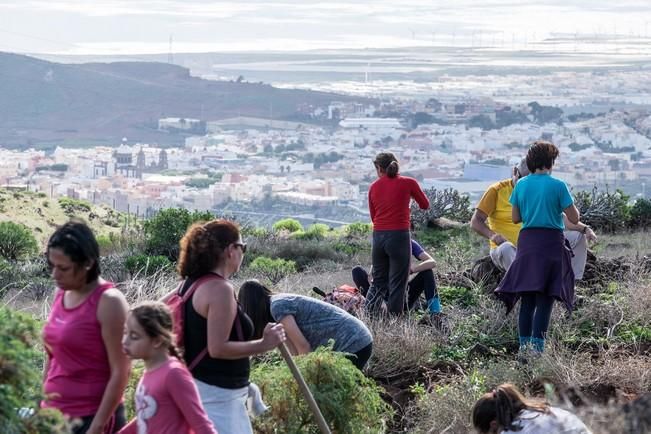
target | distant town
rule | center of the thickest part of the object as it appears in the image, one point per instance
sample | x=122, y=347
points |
x=262, y=169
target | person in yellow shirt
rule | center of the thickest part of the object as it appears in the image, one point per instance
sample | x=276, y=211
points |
x=492, y=220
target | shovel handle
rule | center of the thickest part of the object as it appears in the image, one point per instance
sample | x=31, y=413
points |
x=307, y=394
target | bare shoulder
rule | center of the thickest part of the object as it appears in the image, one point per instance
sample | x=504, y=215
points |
x=215, y=291
x=112, y=304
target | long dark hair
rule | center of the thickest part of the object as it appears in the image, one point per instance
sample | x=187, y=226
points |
x=387, y=163
x=156, y=320
x=77, y=241
x=503, y=405
x=255, y=299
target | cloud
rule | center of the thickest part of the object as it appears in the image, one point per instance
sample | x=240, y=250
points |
x=252, y=23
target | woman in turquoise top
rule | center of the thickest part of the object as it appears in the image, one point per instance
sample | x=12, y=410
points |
x=542, y=270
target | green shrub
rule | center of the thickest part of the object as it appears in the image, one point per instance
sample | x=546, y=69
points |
x=303, y=252
x=358, y=229
x=289, y=225
x=73, y=206
x=316, y=231
x=350, y=248
x=350, y=402
x=16, y=241
x=146, y=265
x=273, y=270
x=21, y=361
x=640, y=214
x=457, y=296
x=164, y=231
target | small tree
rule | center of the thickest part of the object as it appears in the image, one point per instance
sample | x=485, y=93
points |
x=290, y=225
x=604, y=210
x=641, y=213
x=16, y=241
x=350, y=402
x=273, y=270
x=20, y=377
x=443, y=203
x=164, y=231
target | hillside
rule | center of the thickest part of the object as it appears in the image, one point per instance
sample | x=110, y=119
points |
x=45, y=103
x=42, y=215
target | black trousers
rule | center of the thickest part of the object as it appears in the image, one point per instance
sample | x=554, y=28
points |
x=361, y=357
x=424, y=281
x=391, y=256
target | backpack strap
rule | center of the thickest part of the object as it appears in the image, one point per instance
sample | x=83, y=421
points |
x=185, y=298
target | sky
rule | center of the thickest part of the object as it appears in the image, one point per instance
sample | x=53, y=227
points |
x=138, y=27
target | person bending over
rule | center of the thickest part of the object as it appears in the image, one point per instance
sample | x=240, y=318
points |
x=506, y=411
x=309, y=323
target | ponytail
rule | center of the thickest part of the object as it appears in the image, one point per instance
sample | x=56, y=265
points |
x=392, y=169
x=387, y=163
x=503, y=405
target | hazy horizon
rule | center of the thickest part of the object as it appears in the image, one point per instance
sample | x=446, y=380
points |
x=76, y=27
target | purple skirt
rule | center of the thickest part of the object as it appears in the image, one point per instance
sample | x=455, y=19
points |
x=543, y=264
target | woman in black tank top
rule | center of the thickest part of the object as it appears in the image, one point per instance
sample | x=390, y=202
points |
x=214, y=321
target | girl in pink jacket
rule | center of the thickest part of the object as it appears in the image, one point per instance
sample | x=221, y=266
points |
x=167, y=401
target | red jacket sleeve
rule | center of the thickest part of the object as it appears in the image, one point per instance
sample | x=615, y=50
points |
x=419, y=196
x=371, y=206
x=186, y=398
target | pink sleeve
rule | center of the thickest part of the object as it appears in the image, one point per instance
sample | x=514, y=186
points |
x=186, y=398
x=419, y=196
x=130, y=428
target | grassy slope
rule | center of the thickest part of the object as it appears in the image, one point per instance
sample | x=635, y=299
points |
x=42, y=214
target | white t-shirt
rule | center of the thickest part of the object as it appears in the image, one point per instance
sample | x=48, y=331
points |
x=558, y=421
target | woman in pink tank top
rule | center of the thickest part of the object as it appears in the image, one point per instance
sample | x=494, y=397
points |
x=86, y=370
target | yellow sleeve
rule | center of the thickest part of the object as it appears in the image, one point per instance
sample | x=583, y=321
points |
x=488, y=201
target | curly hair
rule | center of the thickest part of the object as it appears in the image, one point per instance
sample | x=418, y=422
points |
x=77, y=241
x=203, y=245
x=156, y=320
x=541, y=155
x=387, y=163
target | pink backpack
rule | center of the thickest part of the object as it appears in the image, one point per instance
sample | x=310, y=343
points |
x=176, y=303
x=345, y=296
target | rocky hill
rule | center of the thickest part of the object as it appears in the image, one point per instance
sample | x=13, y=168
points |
x=45, y=103
x=42, y=215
